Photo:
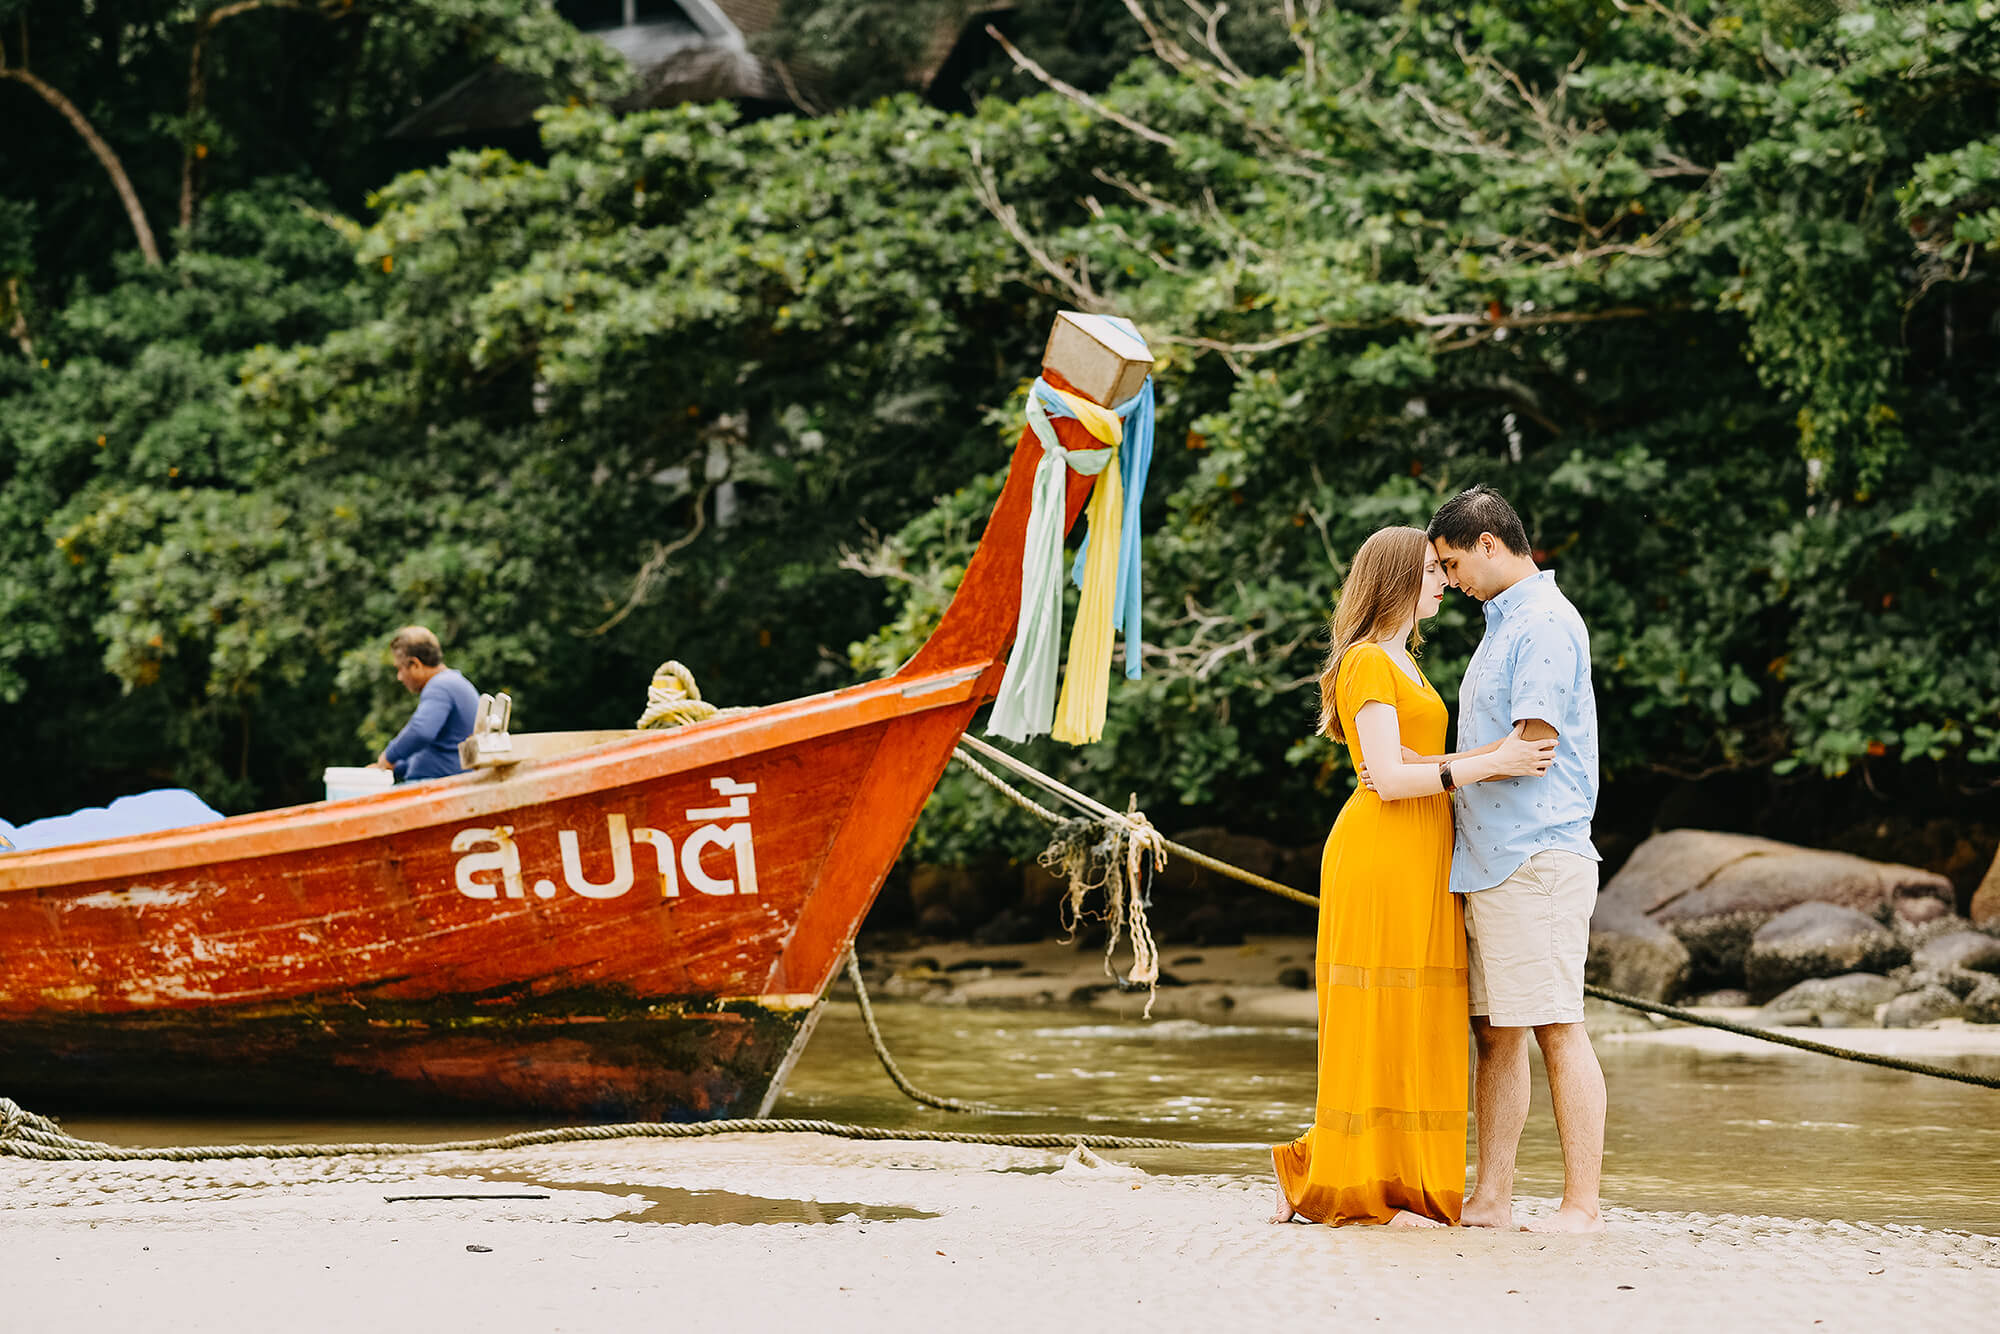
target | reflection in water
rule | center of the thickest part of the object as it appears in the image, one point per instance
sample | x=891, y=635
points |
x=1787, y=1134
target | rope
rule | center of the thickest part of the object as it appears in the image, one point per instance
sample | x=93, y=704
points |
x=896, y=1076
x=673, y=699
x=1105, y=852
x=23, y=1134
x=1103, y=812
x=1787, y=1040
x=1106, y=815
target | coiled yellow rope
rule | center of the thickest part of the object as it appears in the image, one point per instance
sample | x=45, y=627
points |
x=673, y=699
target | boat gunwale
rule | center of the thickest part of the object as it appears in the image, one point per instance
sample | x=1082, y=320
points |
x=481, y=793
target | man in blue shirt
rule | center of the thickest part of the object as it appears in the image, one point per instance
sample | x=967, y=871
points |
x=427, y=747
x=1523, y=859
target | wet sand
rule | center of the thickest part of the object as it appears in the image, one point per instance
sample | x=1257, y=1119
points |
x=1014, y=1239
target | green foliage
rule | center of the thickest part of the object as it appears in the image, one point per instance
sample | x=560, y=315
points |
x=1692, y=291
x=1709, y=292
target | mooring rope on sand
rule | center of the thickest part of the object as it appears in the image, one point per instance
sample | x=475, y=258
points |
x=1106, y=815
x=23, y=1134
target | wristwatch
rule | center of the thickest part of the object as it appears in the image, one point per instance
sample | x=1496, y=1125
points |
x=1444, y=775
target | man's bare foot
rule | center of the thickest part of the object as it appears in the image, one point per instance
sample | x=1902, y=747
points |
x=1404, y=1218
x=1284, y=1213
x=1478, y=1213
x=1569, y=1218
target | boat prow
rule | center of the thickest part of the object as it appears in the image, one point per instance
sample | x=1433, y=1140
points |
x=620, y=926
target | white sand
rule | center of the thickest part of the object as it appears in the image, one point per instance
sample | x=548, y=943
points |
x=1022, y=1241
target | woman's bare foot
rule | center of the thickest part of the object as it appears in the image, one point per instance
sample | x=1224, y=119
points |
x=1478, y=1213
x=1284, y=1213
x=1404, y=1218
x=1569, y=1218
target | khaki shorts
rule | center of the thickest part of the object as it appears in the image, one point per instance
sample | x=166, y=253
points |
x=1525, y=942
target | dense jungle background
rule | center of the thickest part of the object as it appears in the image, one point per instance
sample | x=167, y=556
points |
x=1711, y=291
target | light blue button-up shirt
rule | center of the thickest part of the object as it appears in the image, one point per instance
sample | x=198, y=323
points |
x=1534, y=662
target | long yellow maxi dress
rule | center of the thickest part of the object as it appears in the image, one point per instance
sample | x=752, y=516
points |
x=1389, y=1122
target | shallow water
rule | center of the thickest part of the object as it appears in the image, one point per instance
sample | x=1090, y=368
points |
x=1788, y=1134
x=1784, y=1134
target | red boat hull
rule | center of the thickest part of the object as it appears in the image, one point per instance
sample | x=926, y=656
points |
x=641, y=930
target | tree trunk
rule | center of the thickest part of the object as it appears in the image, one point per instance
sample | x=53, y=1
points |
x=198, y=90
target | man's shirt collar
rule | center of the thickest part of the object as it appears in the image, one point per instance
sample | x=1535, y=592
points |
x=1518, y=593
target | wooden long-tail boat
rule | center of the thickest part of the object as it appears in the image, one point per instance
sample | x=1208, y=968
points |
x=642, y=927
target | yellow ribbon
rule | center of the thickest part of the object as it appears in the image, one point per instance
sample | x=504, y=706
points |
x=1086, y=690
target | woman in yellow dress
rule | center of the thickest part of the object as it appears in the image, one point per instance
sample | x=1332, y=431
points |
x=1387, y=1144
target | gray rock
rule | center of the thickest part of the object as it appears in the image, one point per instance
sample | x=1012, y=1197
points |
x=1729, y=998
x=1632, y=953
x=1299, y=979
x=1958, y=981
x=955, y=888
x=1817, y=940
x=1918, y=934
x=1714, y=891
x=1960, y=949
x=938, y=922
x=1210, y=926
x=1010, y=927
x=1775, y=1018
x=1849, y=1000
x=1914, y=1009
x=1983, y=1005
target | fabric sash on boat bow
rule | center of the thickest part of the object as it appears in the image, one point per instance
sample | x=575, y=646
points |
x=1107, y=568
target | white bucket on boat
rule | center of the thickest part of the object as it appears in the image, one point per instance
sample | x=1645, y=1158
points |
x=342, y=782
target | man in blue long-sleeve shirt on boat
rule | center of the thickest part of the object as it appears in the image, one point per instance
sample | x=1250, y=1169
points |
x=427, y=747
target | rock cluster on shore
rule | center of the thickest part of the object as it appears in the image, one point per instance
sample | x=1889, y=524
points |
x=1819, y=938
x=1812, y=936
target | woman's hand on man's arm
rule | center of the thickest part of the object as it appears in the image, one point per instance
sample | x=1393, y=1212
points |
x=1513, y=756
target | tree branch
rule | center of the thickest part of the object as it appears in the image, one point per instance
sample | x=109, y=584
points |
x=112, y=166
x=649, y=573
x=1444, y=324
x=1077, y=95
x=17, y=326
x=1231, y=72
x=987, y=187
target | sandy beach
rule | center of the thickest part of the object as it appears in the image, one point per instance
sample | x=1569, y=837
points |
x=838, y=1234
x=987, y=1239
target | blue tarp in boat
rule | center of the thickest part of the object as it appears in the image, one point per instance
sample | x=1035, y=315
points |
x=140, y=813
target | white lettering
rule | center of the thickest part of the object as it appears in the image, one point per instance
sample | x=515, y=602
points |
x=621, y=862
x=504, y=858
x=736, y=837
x=663, y=860
x=727, y=827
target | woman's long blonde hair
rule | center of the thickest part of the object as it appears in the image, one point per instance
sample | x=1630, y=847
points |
x=1382, y=588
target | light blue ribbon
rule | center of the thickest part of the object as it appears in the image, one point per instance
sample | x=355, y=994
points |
x=1026, y=704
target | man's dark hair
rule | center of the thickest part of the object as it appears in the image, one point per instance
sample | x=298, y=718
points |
x=1475, y=510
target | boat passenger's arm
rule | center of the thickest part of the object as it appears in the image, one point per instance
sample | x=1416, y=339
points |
x=433, y=709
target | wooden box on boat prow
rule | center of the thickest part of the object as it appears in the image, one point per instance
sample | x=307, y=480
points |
x=622, y=926
x=1098, y=358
